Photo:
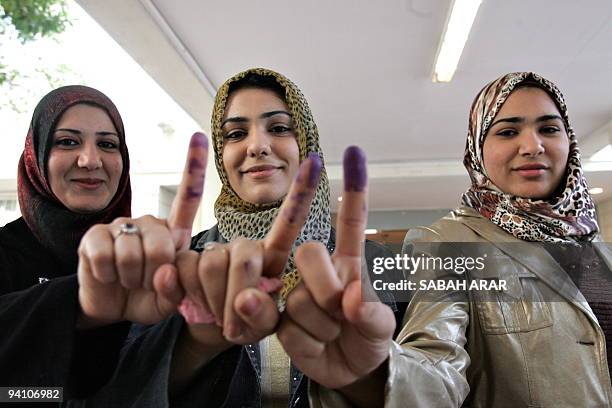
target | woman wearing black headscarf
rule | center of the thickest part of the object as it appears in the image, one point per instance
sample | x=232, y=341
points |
x=74, y=173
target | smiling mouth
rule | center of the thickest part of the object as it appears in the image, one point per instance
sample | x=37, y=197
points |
x=260, y=172
x=88, y=183
x=531, y=170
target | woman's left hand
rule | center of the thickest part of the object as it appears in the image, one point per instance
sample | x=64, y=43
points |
x=330, y=333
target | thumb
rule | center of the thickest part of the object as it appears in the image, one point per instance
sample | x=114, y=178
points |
x=373, y=319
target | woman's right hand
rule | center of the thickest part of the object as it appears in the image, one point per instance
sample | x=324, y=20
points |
x=230, y=284
x=131, y=276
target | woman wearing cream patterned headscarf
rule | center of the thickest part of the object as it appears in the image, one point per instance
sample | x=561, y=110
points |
x=262, y=128
x=539, y=337
x=240, y=218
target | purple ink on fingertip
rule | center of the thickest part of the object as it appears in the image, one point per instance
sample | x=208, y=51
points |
x=355, y=170
x=315, y=169
x=199, y=139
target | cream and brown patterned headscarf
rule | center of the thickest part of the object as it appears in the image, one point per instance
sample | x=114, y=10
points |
x=569, y=216
x=239, y=218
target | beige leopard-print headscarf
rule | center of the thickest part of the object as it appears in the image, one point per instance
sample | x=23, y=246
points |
x=239, y=218
x=568, y=217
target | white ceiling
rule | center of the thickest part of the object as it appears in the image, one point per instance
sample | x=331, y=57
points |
x=365, y=66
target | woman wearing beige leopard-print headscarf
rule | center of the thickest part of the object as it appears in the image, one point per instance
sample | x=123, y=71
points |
x=531, y=326
x=262, y=130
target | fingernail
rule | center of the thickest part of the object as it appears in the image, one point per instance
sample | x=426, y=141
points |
x=355, y=171
x=232, y=331
x=315, y=169
x=250, y=306
x=194, y=312
x=199, y=139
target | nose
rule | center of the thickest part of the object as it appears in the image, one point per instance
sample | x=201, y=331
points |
x=530, y=143
x=89, y=156
x=259, y=143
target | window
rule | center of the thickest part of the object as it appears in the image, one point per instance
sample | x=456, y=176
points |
x=9, y=209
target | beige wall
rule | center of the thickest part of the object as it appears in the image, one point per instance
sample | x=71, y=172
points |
x=604, y=213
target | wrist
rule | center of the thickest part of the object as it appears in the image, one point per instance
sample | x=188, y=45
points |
x=369, y=390
x=195, y=347
x=202, y=342
x=85, y=322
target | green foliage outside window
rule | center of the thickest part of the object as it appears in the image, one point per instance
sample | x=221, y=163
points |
x=31, y=19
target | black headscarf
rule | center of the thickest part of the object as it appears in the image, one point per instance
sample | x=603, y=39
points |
x=55, y=226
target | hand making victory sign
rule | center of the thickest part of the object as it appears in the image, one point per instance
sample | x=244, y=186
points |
x=126, y=268
x=230, y=283
x=329, y=332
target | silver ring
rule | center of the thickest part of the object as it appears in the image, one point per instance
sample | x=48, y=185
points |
x=128, y=229
x=210, y=246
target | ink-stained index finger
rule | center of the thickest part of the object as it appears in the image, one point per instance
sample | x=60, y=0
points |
x=353, y=212
x=292, y=215
x=189, y=193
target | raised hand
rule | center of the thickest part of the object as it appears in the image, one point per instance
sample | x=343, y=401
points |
x=230, y=283
x=330, y=334
x=126, y=268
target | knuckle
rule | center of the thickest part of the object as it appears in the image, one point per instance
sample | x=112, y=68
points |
x=187, y=261
x=160, y=253
x=96, y=229
x=241, y=243
x=121, y=220
x=297, y=301
x=211, y=263
x=331, y=300
x=148, y=219
x=98, y=257
x=308, y=250
x=351, y=220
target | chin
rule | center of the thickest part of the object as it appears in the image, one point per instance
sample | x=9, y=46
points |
x=264, y=198
x=534, y=195
x=263, y=194
x=86, y=208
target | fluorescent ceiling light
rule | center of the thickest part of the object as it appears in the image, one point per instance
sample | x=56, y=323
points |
x=596, y=190
x=603, y=155
x=371, y=231
x=458, y=26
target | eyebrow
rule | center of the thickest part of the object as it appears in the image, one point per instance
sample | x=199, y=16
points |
x=518, y=119
x=78, y=132
x=242, y=119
